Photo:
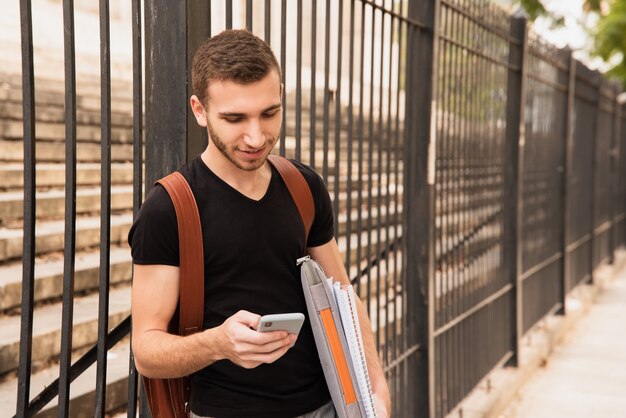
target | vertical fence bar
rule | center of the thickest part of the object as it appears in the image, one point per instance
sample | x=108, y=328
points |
x=337, y=172
x=105, y=208
x=349, y=138
x=248, y=15
x=133, y=377
x=30, y=204
x=229, y=14
x=312, y=104
x=267, y=26
x=379, y=216
x=326, y=89
x=419, y=200
x=359, y=203
x=595, y=78
x=403, y=383
x=70, y=209
x=613, y=153
x=370, y=161
x=616, y=207
x=513, y=177
x=299, y=80
x=568, y=172
x=388, y=355
x=283, y=57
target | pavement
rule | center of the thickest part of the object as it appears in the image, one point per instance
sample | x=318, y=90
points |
x=571, y=365
x=585, y=376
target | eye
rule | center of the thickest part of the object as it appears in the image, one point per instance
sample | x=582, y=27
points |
x=233, y=120
x=270, y=115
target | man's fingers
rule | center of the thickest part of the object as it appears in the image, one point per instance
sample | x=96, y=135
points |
x=262, y=338
x=251, y=349
x=268, y=353
x=269, y=357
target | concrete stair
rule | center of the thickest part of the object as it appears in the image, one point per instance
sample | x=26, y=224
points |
x=82, y=390
x=49, y=276
x=51, y=204
x=47, y=332
x=49, y=235
x=53, y=175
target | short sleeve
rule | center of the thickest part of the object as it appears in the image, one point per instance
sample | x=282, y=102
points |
x=153, y=238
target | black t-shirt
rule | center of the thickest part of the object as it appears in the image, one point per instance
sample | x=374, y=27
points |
x=250, y=252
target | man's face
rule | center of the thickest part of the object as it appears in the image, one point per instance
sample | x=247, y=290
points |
x=243, y=120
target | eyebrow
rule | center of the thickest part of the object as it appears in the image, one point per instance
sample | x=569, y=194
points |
x=233, y=114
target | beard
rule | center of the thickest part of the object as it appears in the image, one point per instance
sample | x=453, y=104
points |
x=230, y=154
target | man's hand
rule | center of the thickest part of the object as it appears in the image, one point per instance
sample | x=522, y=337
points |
x=238, y=341
x=159, y=354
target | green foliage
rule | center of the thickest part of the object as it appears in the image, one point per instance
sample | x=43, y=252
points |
x=609, y=32
x=534, y=8
x=610, y=38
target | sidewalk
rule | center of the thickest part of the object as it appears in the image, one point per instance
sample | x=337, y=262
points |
x=585, y=375
x=570, y=366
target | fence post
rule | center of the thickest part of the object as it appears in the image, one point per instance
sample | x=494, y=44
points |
x=174, y=29
x=419, y=203
x=614, y=153
x=567, y=172
x=513, y=175
x=596, y=78
x=617, y=191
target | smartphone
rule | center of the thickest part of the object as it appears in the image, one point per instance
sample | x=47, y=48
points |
x=290, y=322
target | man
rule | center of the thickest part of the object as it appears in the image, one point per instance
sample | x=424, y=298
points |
x=252, y=235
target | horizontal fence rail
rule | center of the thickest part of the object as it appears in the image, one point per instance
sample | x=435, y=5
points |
x=477, y=176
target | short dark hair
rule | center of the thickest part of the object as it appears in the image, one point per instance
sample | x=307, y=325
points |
x=233, y=55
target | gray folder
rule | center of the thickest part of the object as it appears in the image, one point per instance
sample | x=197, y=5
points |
x=330, y=341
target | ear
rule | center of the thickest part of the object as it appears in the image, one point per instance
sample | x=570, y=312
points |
x=198, y=110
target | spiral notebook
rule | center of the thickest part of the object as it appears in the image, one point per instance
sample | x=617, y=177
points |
x=345, y=298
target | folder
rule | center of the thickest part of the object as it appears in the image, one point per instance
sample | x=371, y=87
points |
x=334, y=320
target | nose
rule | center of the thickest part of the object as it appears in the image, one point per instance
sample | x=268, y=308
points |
x=254, y=137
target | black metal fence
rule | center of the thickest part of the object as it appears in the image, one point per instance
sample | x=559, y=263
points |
x=476, y=173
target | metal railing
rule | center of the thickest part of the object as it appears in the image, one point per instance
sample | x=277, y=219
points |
x=476, y=173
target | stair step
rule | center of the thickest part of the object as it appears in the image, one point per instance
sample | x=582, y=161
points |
x=55, y=132
x=49, y=235
x=47, y=151
x=47, y=327
x=52, y=203
x=53, y=175
x=49, y=276
x=82, y=390
x=55, y=112
x=86, y=98
x=384, y=237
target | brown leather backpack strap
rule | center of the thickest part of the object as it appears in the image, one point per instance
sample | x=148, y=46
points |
x=191, y=300
x=299, y=189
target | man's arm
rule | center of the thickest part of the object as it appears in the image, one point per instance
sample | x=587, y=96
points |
x=161, y=354
x=329, y=258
